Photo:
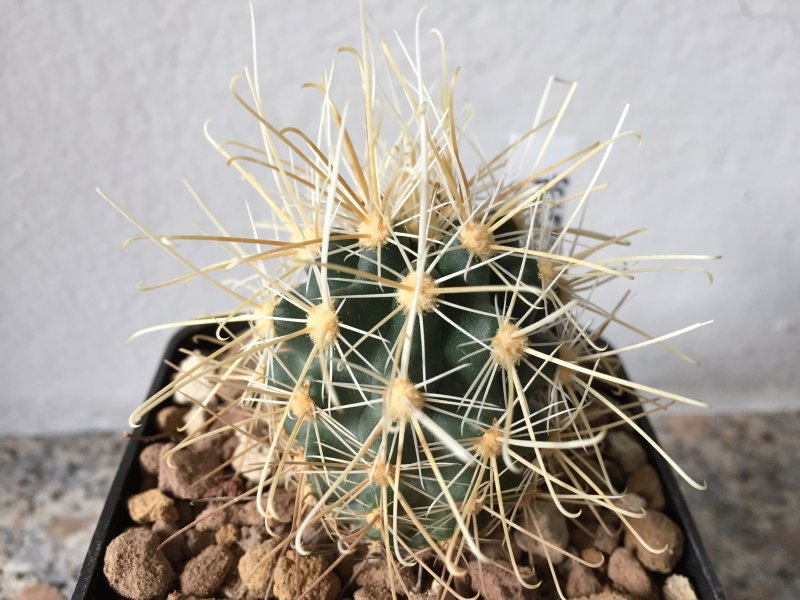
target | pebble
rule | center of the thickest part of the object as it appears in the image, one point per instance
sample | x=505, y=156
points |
x=227, y=535
x=582, y=581
x=645, y=482
x=186, y=478
x=150, y=458
x=294, y=575
x=151, y=506
x=627, y=572
x=372, y=577
x=135, y=567
x=605, y=595
x=204, y=574
x=606, y=539
x=496, y=580
x=552, y=527
x=256, y=569
x=213, y=516
x=658, y=530
x=170, y=418
x=677, y=587
x=623, y=448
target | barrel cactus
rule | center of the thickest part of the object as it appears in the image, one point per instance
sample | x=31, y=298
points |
x=417, y=347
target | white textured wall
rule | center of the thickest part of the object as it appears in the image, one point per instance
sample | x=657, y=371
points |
x=114, y=94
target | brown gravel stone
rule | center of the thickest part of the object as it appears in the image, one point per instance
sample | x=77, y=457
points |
x=594, y=556
x=152, y=506
x=373, y=578
x=184, y=479
x=204, y=574
x=196, y=541
x=135, y=567
x=497, y=580
x=170, y=418
x=551, y=524
x=245, y=514
x=284, y=506
x=677, y=587
x=256, y=569
x=627, y=572
x=626, y=451
x=658, y=530
x=227, y=489
x=175, y=550
x=606, y=595
x=213, y=516
x=606, y=541
x=582, y=581
x=227, y=535
x=295, y=574
x=150, y=458
x=581, y=537
x=644, y=481
x=250, y=537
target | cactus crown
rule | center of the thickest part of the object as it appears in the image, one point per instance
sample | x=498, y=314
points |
x=417, y=354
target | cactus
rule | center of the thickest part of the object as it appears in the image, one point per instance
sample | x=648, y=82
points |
x=417, y=350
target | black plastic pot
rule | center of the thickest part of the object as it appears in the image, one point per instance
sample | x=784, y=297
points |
x=695, y=563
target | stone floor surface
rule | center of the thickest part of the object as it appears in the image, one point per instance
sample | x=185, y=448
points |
x=53, y=488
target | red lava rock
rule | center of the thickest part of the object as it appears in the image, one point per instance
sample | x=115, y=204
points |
x=497, y=580
x=150, y=458
x=582, y=581
x=295, y=574
x=40, y=591
x=644, y=482
x=190, y=466
x=658, y=530
x=204, y=574
x=627, y=572
x=134, y=566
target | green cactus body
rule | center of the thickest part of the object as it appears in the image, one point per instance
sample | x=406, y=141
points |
x=447, y=366
x=424, y=354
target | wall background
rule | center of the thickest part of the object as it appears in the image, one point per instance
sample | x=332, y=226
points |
x=115, y=94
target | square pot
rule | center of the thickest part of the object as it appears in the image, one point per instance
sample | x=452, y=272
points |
x=92, y=585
